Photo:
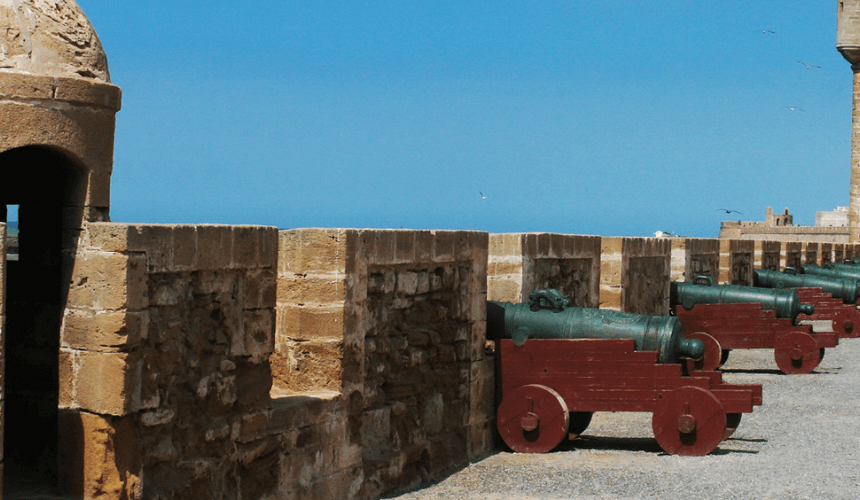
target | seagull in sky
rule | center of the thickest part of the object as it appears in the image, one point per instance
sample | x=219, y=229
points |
x=483, y=197
x=728, y=211
x=808, y=66
x=765, y=32
x=794, y=108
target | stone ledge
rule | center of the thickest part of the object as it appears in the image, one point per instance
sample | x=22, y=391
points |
x=69, y=90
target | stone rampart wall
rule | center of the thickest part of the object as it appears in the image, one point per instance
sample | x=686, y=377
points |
x=737, y=258
x=693, y=257
x=764, y=232
x=811, y=253
x=522, y=262
x=202, y=361
x=826, y=253
x=768, y=255
x=381, y=378
x=792, y=254
x=634, y=274
x=164, y=346
x=393, y=324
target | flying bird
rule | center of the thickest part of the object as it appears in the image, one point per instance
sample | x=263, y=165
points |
x=794, y=108
x=728, y=211
x=483, y=197
x=765, y=32
x=808, y=66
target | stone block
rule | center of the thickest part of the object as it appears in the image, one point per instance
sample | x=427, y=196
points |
x=317, y=366
x=304, y=250
x=384, y=248
x=184, y=255
x=376, y=432
x=214, y=247
x=507, y=267
x=27, y=86
x=305, y=323
x=67, y=379
x=311, y=289
x=407, y=283
x=432, y=410
x=423, y=246
x=107, y=236
x=497, y=244
x=404, y=247
x=245, y=245
x=253, y=383
x=100, y=456
x=259, y=288
x=365, y=246
x=463, y=244
x=267, y=252
x=480, y=249
x=258, y=335
x=504, y=290
x=107, y=383
x=252, y=427
x=108, y=280
x=103, y=330
x=443, y=246
x=481, y=437
x=482, y=386
x=88, y=93
x=158, y=244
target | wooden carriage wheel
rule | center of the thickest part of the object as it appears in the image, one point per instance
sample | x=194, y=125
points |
x=797, y=352
x=533, y=419
x=689, y=421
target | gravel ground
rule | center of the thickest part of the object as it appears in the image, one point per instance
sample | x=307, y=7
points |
x=803, y=442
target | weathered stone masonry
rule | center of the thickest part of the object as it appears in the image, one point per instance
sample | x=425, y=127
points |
x=164, y=346
x=522, y=262
x=392, y=322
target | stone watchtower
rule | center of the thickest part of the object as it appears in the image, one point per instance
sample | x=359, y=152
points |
x=57, y=116
x=848, y=44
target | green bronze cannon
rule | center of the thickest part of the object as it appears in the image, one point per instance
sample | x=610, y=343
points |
x=842, y=271
x=548, y=315
x=840, y=288
x=703, y=291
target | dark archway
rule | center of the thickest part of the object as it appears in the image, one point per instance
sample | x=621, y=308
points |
x=49, y=189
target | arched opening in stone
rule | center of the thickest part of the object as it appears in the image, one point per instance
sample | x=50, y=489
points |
x=48, y=189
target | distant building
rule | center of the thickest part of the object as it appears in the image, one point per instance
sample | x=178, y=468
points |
x=834, y=218
x=830, y=227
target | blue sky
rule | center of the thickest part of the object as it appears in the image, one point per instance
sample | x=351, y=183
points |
x=582, y=117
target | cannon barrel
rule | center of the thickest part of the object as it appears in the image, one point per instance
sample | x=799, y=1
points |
x=702, y=290
x=841, y=288
x=549, y=316
x=843, y=271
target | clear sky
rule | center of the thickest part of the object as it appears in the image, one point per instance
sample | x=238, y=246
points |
x=579, y=116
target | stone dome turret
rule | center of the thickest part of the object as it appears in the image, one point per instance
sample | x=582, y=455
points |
x=50, y=38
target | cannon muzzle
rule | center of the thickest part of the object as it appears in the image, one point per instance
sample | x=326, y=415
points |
x=548, y=315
